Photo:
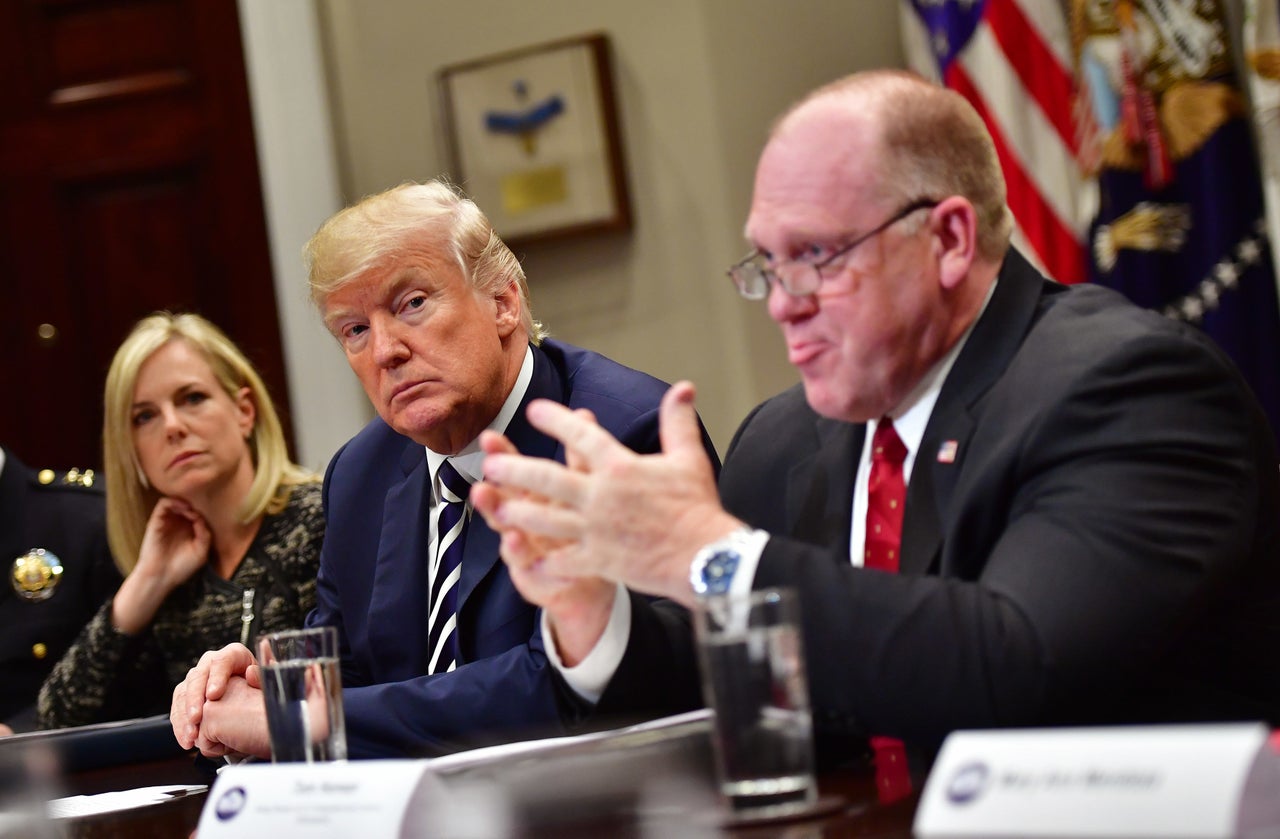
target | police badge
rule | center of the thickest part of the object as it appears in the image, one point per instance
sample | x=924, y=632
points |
x=36, y=574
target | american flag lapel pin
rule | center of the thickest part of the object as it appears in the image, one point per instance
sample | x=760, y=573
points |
x=947, y=451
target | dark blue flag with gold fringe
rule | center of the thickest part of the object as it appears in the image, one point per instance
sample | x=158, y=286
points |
x=1181, y=222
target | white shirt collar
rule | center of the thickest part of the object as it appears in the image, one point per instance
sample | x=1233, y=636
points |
x=910, y=420
x=911, y=417
x=469, y=461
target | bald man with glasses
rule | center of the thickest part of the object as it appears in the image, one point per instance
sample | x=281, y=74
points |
x=1004, y=501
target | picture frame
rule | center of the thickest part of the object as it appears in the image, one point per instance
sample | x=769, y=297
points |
x=533, y=138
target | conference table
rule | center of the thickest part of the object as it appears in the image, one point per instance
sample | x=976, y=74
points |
x=175, y=818
x=859, y=815
x=575, y=787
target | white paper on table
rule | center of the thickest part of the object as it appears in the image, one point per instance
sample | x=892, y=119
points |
x=505, y=751
x=75, y=806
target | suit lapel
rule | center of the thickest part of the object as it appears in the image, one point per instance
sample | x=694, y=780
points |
x=991, y=346
x=480, y=555
x=823, y=507
x=400, y=579
x=931, y=483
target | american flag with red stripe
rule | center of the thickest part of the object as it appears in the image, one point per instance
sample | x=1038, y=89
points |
x=1012, y=60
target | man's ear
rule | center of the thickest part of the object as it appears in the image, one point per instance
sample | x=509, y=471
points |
x=954, y=223
x=507, y=309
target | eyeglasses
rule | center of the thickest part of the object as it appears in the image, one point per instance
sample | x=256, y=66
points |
x=753, y=276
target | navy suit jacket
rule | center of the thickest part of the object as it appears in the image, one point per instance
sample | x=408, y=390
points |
x=373, y=581
x=1102, y=547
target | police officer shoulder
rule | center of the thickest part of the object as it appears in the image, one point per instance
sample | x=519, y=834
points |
x=53, y=549
x=36, y=573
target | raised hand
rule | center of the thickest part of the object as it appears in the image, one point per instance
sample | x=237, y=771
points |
x=577, y=608
x=634, y=519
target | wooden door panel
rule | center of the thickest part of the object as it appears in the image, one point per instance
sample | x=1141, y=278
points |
x=136, y=240
x=89, y=45
x=128, y=183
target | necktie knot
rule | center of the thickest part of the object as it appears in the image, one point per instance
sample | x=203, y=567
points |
x=886, y=445
x=454, y=486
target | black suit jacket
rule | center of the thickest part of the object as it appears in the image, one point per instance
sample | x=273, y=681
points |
x=67, y=519
x=1102, y=549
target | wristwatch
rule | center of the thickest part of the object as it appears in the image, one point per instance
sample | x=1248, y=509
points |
x=715, y=564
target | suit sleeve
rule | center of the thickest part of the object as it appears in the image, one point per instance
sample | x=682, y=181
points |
x=105, y=675
x=658, y=675
x=328, y=609
x=496, y=699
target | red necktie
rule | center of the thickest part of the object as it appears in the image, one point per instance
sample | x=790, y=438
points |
x=886, y=497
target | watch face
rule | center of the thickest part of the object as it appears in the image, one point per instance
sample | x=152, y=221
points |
x=717, y=573
x=713, y=567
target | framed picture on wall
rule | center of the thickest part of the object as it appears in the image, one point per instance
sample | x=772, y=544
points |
x=533, y=138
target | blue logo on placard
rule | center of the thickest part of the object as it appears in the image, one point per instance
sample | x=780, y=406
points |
x=230, y=803
x=968, y=783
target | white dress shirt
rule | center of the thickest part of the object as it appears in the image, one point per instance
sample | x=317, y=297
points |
x=470, y=460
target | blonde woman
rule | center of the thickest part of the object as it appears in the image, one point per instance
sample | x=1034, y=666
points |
x=217, y=532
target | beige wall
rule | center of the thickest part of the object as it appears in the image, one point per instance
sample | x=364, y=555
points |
x=292, y=126
x=698, y=83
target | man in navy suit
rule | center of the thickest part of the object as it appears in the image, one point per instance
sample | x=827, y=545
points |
x=1090, y=528
x=431, y=310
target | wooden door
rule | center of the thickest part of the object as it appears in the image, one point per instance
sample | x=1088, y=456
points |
x=128, y=183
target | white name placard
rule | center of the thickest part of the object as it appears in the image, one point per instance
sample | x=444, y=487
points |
x=1169, y=781
x=277, y=800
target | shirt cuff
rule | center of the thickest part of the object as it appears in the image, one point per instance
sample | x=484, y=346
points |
x=591, y=676
x=748, y=561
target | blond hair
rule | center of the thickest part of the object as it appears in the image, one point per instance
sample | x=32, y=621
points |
x=130, y=498
x=932, y=144
x=412, y=218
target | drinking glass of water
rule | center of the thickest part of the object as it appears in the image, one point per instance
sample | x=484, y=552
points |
x=302, y=688
x=753, y=677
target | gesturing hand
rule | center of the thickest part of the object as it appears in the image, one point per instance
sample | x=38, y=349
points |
x=577, y=608
x=635, y=519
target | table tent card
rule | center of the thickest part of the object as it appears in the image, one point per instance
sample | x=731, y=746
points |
x=492, y=791
x=1170, y=781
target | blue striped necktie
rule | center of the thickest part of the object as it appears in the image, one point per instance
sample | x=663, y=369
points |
x=451, y=528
